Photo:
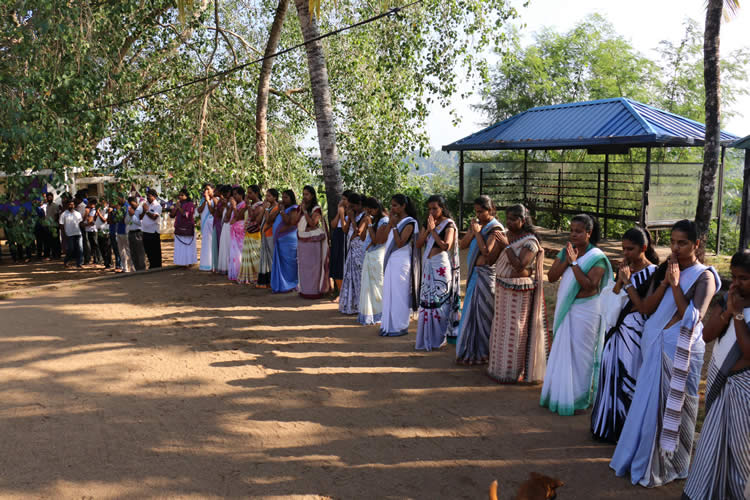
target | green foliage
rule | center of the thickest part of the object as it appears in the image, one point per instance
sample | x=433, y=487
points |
x=592, y=61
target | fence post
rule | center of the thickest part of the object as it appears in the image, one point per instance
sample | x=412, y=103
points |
x=481, y=181
x=525, y=176
x=606, y=194
x=598, y=188
x=460, y=190
x=646, y=186
x=744, y=225
x=559, y=196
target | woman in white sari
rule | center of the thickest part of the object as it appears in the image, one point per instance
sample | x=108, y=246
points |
x=570, y=382
x=657, y=438
x=371, y=295
x=206, y=211
x=721, y=468
x=399, y=276
x=225, y=240
x=439, y=302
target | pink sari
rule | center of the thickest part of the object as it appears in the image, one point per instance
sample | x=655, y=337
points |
x=235, y=247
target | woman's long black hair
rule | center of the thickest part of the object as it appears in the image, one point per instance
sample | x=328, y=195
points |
x=405, y=202
x=371, y=202
x=640, y=237
x=688, y=227
x=522, y=213
x=291, y=196
x=591, y=225
x=274, y=192
x=440, y=200
x=185, y=192
x=314, y=201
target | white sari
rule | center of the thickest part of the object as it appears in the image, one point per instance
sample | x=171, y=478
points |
x=572, y=367
x=207, y=236
x=397, y=284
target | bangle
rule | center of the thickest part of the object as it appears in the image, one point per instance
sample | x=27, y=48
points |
x=627, y=286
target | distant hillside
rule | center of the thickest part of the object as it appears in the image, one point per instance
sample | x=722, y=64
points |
x=438, y=163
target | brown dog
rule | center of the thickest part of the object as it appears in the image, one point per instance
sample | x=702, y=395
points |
x=536, y=487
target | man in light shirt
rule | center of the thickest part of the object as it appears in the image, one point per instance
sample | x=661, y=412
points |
x=101, y=223
x=91, y=235
x=80, y=201
x=70, y=221
x=135, y=234
x=52, y=212
x=150, y=227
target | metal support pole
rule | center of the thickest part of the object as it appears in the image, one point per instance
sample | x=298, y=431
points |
x=525, y=177
x=646, y=185
x=606, y=194
x=720, y=201
x=481, y=181
x=744, y=222
x=598, y=188
x=460, y=189
x=559, y=197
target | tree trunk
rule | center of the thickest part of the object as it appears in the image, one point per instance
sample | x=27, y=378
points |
x=711, y=149
x=321, y=92
x=264, y=86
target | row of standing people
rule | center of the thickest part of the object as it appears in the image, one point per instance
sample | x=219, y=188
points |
x=269, y=241
x=634, y=348
x=640, y=368
x=388, y=268
x=95, y=230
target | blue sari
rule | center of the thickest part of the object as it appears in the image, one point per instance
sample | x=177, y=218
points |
x=473, y=344
x=656, y=441
x=284, y=276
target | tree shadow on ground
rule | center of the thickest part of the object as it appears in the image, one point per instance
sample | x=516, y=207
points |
x=181, y=384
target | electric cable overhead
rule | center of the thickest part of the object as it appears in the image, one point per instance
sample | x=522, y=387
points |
x=221, y=74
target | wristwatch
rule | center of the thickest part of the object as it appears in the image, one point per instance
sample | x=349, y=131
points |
x=740, y=316
x=629, y=285
x=574, y=263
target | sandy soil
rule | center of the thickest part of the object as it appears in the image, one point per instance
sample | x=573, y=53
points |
x=180, y=384
x=47, y=272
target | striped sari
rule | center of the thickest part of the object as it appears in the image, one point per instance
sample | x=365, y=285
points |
x=621, y=361
x=518, y=344
x=250, y=265
x=721, y=468
x=313, y=257
x=352, y=283
x=657, y=439
x=472, y=346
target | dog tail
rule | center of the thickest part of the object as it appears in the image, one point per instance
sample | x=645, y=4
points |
x=493, y=490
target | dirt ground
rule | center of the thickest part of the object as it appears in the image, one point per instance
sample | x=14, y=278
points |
x=47, y=272
x=180, y=384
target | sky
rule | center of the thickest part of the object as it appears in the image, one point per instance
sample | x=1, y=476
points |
x=643, y=22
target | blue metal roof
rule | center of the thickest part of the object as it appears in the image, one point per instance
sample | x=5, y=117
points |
x=743, y=143
x=617, y=122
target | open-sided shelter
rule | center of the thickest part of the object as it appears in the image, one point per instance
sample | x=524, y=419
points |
x=744, y=143
x=651, y=192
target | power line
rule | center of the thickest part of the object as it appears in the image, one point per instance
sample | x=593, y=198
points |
x=233, y=69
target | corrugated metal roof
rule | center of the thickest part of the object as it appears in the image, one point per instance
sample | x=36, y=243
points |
x=743, y=143
x=608, y=122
